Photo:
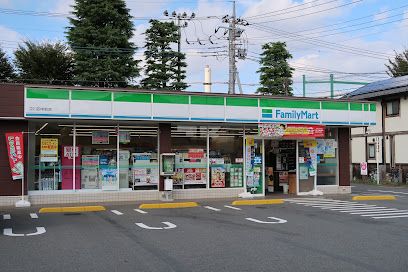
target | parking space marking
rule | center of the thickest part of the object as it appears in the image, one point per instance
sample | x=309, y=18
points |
x=379, y=211
x=140, y=211
x=168, y=224
x=277, y=220
x=6, y=216
x=358, y=208
x=33, y=215
x=383, y=214
x=116, y=212
x=9, y=232
x=384, y=191
x=231, y=207
x=212, y=208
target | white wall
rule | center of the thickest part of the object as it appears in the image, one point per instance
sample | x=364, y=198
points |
x=401, y=148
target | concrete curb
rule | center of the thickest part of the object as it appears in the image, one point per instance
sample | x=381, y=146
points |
x=257, y=202
x=168, y=205
x=374, y=197
x=72, y=209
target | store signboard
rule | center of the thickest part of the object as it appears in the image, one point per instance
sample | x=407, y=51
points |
x=100, y=137
x=49, y=150
x=102, y=104
x=290, y=130
x=15, y=151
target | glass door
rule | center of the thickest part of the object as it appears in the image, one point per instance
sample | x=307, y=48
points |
x=307, y=166
x=254, y=165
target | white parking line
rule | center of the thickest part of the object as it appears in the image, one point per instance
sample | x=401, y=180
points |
x=384, y=214
x=212, y=208
x=6, y=216
x=231, y=207
x=365, y=210
x=386, y=217
x=384, y=191
x=378, y=211
x=357, y=208
x=33, y=215
x=139, y=211
x=116, y=212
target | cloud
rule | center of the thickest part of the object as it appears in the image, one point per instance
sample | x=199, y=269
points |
x=11, y=39
x=382, y=14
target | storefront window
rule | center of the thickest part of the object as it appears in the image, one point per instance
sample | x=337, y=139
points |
x=189, y=143
x=226, y=157
x=327, y=168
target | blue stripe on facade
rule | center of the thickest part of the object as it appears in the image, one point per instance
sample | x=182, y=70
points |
x=132, y=117
x=242, y=120
x=288, y=121
x=170, y=118
x=47, y=114
x=266, y=115
x=206, y=119
x=91, y=116
x=356, y=123
x=336, y=123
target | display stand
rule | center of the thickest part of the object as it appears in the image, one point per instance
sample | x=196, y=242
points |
x=167, y=169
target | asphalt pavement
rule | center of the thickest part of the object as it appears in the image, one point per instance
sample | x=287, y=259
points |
x=303, y=234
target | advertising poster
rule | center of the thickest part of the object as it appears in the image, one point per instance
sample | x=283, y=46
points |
x=313, y=159
x=217, y=177
x=49, y=150
x=303, y=172
x=291, y=130
x=100, y=137
x=67, y=163
x=309, y=143
x=15, y=151
x=330, y=148
x=321, y=146
x=89, y=172
x=109, y=179
x=363, y=168
x=124, y=137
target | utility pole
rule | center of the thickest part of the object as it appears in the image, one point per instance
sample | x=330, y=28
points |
x=179, y=17
x=231, y=52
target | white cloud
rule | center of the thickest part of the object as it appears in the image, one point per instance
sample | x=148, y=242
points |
x=10, y=39
x=382, y=14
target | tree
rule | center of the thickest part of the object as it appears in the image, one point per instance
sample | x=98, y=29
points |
x=100, y=34
x=161, y=60
x=398, y=67
x=44, y=62
x=275, y=72
x=6, y=69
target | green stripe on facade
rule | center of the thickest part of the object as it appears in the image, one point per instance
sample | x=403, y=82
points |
x=373, y=107
x=266, y=110
x=243, y=102
x=47, y=93
x=91, y=95
x=366, y=106
x=356, y=106
x=334, y=105
x=207, y=100
x=132, y=97
x=170, y=98
x=289, y=104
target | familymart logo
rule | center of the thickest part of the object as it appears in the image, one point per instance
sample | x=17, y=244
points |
x=283, y=114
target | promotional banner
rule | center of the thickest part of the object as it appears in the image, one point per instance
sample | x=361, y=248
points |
x=49, y=150
x=217, y=177
x=15, y=151
x=290, y=130
x=363, y=168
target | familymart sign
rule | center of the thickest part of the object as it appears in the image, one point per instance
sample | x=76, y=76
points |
x=85, y=104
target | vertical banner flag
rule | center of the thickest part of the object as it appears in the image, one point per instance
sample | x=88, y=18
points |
x=15, y=151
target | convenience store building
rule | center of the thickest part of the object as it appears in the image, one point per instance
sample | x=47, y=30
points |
x=96, y=145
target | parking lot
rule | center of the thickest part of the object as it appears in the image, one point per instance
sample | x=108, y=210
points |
x=322, y=234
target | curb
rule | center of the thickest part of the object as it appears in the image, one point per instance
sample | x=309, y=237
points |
x=72, y=209
x=374, y=197
x=168, y=205
x=257, y=202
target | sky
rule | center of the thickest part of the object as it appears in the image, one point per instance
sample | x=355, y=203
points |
x=352, y=39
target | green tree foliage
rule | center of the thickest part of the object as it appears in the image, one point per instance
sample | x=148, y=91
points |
x=398, y=67
x=50, y=63
x=275, y=73
x=100, y=34
x=6, y=69
x=161, y=60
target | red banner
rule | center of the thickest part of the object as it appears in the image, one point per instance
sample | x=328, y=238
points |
x=15, y=151
x=291, y=130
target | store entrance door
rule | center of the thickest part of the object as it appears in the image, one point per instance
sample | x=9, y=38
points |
x=307, y=165
x=254, y=166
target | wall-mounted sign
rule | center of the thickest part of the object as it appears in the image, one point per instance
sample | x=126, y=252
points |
x=15, y=151
x=49, y=150
x=100, y=137
x=290, y=130
x=124, y=137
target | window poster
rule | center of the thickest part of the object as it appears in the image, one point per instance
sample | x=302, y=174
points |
x=303, y=172
x=124, y=137
x=100, y=137
x=217, y=177
x=49, y=150
x=330, y=148
x=109, y=179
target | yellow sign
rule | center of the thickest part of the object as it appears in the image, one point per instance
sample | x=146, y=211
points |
x=250, y=141
x=309, y=143
x=49, y=150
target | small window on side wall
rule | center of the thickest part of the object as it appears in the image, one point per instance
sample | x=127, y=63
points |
x=392, y=108
x=371, y=151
